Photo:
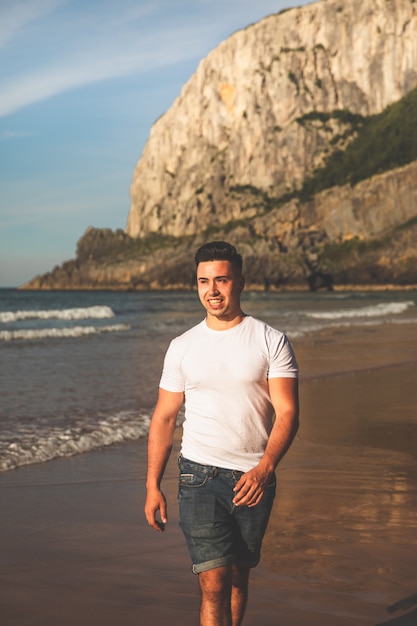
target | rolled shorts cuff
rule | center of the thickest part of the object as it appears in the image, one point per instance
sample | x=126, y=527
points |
x=221, y=562
x=213, y=564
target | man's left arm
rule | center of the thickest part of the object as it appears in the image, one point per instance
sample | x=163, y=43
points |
x=284, y=397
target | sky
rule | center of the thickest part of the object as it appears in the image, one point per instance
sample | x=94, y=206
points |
x=81, y=83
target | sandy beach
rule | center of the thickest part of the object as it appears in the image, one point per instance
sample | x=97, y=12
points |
x=341, y=546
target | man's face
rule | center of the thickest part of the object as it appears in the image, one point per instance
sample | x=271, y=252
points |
x=219, y=286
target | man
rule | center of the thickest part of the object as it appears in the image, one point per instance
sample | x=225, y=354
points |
x=235, y=372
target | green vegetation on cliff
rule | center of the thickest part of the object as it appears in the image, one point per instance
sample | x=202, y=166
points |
x=383, y=142
x=370, y=146
x=387, y=260
x=107, y=246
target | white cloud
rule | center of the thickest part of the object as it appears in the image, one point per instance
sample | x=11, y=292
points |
x=99, y=60
x=15, y=15
x=17, y=134
x=48, y=82
x=81, y=44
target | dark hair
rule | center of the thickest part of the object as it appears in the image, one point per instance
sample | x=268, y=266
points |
x=219, y=251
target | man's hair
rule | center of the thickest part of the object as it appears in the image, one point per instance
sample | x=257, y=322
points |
x=219, y=251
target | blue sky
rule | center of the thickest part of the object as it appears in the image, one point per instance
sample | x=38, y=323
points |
x=81, y=83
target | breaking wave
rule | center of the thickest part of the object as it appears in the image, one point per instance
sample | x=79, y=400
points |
x=75, y=331
x=377, y=310
x=45, y=443
x=81, y=313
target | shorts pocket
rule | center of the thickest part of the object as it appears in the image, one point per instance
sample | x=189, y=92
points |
x=192, y=475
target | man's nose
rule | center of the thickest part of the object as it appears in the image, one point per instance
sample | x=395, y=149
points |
x=213, y=287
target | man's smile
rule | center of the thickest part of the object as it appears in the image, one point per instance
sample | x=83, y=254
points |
x=215, y=301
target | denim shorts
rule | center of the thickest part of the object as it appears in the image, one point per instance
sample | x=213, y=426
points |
x=217, y=532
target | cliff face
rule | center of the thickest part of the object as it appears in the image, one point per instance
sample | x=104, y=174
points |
x=235, y=129
x=370, y=210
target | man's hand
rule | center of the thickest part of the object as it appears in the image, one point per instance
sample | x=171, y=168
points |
x=251, y=487
x=156, y=501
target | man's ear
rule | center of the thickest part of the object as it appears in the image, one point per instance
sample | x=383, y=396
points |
x=242, y=283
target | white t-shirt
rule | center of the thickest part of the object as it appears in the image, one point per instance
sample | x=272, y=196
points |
x=224, y=374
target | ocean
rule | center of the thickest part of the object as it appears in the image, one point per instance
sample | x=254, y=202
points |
x=80, y=370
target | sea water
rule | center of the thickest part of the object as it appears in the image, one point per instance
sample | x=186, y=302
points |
x=80, y=370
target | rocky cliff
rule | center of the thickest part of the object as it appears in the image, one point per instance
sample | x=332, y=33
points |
x=317, y=244
x=235, y=127
x=264, y=112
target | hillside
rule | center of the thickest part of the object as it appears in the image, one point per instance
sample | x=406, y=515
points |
x=296, y=139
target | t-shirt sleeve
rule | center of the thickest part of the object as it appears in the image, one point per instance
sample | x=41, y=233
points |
x=282, y=363
x=172, y=378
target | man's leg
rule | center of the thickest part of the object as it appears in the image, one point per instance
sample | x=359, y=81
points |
x=216, y=589
x=240, y=585
x=224, y=594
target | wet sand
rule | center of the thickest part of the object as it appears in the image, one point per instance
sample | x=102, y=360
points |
x=341, y=546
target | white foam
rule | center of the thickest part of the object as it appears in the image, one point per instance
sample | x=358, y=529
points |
x=377, y=310
x=81, y=313
x=45, y=444
x=42, y=442
x=316, y=328
x=73, y=332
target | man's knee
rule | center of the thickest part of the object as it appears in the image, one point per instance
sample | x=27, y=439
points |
x=216, y=582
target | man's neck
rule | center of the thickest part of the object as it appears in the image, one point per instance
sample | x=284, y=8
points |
x=220, y=323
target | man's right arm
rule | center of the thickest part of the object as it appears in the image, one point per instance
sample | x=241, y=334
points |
x=161, y=436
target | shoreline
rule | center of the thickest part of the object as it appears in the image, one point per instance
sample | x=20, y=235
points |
x=341, y=546
x=284, y=289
